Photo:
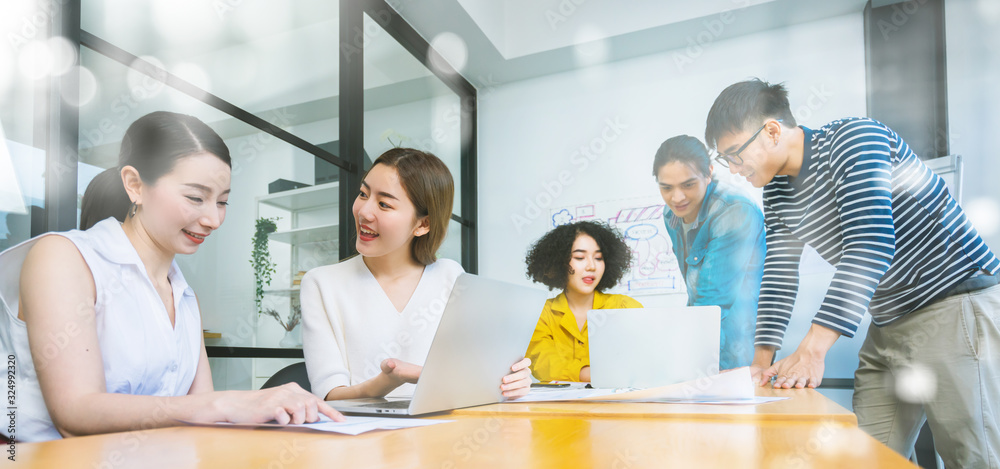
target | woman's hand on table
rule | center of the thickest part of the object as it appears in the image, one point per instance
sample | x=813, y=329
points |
x=286, y=404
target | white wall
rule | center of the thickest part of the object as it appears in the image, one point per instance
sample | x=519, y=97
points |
x=972, y=34
x=530, y=133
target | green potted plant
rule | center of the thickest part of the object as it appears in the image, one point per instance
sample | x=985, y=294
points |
x=260, y=257
x=263, y=270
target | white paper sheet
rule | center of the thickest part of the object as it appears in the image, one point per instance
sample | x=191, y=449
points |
x=731, y=387
x=351, y=426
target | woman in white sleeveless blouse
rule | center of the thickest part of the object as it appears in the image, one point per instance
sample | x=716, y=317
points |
x=106, y=331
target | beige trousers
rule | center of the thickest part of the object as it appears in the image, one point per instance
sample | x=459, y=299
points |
x=956, y=339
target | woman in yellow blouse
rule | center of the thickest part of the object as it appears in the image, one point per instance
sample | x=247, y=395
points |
x=583, y=259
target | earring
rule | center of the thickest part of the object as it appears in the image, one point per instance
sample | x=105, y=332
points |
x=132, y=210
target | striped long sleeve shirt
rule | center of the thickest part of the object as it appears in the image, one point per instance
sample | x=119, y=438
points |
x=872, y=209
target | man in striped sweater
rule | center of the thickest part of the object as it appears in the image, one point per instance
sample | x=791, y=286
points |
x=904, y=251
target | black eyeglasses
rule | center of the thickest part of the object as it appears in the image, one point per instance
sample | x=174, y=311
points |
x=725, y=160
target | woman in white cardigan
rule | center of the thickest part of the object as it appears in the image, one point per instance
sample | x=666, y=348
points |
x=105, y=331
x=368, y=321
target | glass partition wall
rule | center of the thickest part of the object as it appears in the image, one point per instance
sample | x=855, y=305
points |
x=407, y=105
x=305, y=94
x=36, y=56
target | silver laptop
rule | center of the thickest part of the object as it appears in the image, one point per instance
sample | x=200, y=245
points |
x=485, y=328
x=650, y=347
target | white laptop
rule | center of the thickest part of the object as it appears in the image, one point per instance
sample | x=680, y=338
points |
x=650, y=347
x=485, y=328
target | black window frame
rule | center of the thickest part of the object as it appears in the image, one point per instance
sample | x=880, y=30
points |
x=58, y=126
x=58, y=131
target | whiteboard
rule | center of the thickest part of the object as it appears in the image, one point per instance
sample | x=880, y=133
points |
x=653, y=269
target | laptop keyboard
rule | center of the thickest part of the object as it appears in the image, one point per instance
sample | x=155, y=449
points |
x=389, y=405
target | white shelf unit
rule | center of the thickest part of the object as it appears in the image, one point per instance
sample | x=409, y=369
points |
x=306, y=198
x=312, y=234
x=298, y=203
x=308, y=230
x=282, y=291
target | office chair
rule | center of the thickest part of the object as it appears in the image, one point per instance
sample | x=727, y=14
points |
x=294, y=373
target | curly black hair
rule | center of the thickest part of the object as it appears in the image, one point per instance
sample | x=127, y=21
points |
x=548, y=259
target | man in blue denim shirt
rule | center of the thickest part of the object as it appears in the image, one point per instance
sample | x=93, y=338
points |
x=717, y=234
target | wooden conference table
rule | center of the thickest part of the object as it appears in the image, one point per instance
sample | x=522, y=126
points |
x=806, y=431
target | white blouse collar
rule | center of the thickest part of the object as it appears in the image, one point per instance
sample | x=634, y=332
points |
x=110, y=241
